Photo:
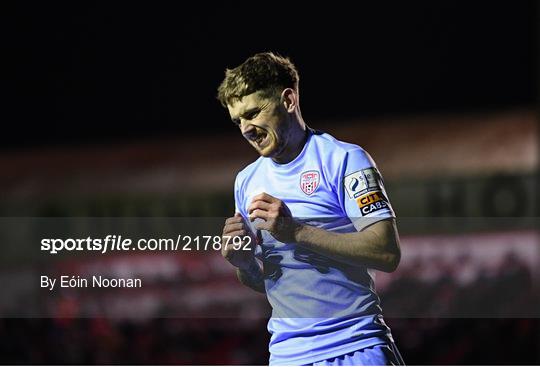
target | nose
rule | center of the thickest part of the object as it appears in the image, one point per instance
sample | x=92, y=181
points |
x=247, y=129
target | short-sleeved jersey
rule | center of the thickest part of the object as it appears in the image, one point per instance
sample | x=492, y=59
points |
x=321, y=308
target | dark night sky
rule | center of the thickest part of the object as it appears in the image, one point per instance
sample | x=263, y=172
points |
x=124, y=71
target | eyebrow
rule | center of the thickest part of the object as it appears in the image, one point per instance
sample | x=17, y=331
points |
x=245, y=113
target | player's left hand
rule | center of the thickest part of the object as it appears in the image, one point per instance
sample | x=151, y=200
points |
x=276, y=216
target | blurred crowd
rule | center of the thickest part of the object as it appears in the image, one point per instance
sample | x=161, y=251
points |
x=465, y=288
x=155, y=341
x=458, y=314
x=464, y=313
x=432, y=341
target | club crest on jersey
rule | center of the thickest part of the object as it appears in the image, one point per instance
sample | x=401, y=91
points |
x=309, y=181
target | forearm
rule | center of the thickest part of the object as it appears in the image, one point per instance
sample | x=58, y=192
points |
x=252, y=277
x=366, y=248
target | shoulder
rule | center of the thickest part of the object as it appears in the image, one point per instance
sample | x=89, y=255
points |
x=337, y=152
x=247, y=172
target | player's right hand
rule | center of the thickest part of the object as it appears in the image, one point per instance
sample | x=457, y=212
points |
x=238, y=256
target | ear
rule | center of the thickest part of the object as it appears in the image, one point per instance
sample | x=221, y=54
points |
x=289, y=99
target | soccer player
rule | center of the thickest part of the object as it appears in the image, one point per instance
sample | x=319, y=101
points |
x=316, y=215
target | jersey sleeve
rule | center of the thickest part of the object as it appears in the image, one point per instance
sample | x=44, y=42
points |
x=361, y=190
x=239, y=206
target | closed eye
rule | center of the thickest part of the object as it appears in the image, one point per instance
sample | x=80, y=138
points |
x=250, y=115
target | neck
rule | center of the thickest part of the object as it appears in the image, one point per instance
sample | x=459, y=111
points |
x=295, y=144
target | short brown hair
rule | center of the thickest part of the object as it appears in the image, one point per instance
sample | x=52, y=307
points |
x=266, y=72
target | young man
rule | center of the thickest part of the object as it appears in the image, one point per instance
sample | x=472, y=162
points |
x=314, y=210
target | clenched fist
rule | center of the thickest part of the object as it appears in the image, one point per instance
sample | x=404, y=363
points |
x=238, y=242
x=276, y=217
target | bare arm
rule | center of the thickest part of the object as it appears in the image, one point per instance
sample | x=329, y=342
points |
x=375, y=247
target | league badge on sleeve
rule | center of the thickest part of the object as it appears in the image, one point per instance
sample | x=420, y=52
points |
x=360, y=182
x=355, y=184
x=309, y=181
x=372, y=178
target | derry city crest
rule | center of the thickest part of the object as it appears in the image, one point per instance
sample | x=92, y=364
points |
x=309, y=181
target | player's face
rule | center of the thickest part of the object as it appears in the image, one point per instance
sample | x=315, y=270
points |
x=263, y=122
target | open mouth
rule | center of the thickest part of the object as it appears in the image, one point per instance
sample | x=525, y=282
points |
x=260, y=139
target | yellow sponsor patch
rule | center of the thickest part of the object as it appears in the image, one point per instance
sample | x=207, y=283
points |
x=371, y=202
x=369, y=198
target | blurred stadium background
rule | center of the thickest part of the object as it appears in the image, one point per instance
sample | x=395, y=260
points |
x=112, y=114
